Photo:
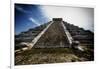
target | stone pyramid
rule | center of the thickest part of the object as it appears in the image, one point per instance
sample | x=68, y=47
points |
x=53, y=36
x=56, y=33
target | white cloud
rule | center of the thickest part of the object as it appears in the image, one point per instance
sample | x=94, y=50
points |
x=21, y=9
x=34, y=21
x=82, y=17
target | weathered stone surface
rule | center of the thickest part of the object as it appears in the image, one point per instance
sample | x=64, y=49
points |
x=53, y=45
x=55, y=35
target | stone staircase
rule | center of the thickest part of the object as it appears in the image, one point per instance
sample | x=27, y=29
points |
x=58, y=34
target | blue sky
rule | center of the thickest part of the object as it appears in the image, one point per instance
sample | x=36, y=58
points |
x=30, y=15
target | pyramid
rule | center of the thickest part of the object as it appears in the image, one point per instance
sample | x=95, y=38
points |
x=54, y=34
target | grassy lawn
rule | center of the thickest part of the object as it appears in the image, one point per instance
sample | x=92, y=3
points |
x=51, y=55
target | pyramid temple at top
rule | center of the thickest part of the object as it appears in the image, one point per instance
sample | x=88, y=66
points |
x=56, y=33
